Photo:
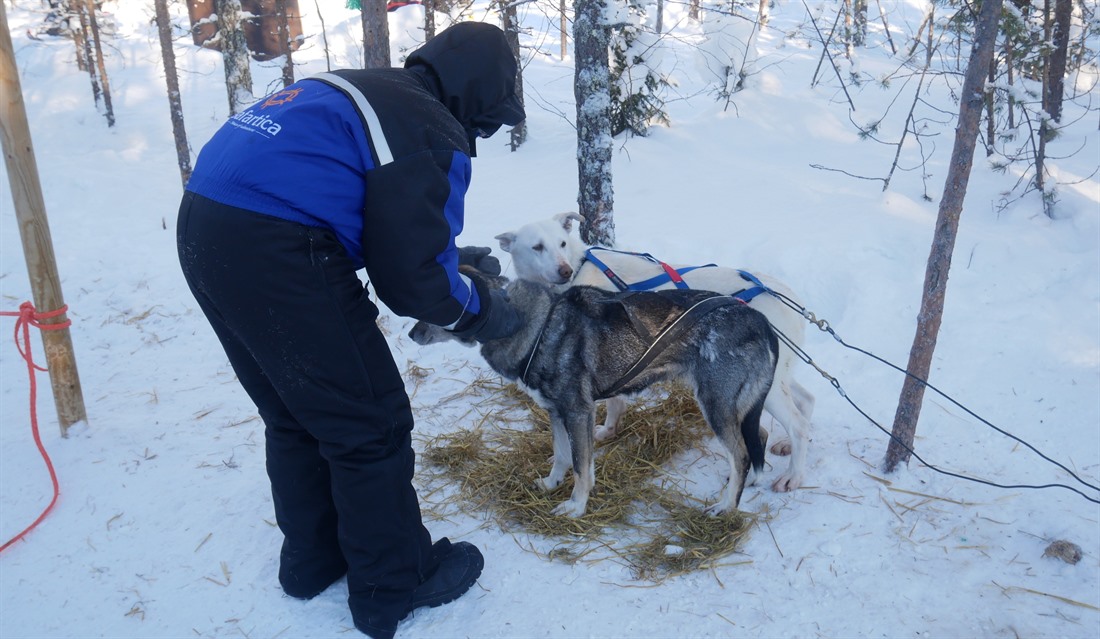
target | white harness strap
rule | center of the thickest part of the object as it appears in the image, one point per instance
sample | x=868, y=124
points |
x=374, y=125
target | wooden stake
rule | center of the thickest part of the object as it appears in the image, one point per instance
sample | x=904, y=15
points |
x=30, y=212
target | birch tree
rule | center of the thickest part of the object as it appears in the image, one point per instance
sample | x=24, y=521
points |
x=591, y=88
x=235, y=58
x=971, y=102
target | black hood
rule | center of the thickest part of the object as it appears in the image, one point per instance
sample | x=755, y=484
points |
x=472, y=70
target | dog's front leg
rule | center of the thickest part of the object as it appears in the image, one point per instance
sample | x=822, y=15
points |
x=563, y=458
x=580, y=424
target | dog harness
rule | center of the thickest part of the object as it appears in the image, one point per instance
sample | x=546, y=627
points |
x=670, y=274
x=668, y=334
x=747, y=295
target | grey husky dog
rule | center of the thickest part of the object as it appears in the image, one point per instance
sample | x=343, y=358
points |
x=585, y=344
x=547, y=251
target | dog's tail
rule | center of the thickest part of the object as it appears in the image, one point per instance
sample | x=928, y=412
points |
x=750, y=426
x=750, y=431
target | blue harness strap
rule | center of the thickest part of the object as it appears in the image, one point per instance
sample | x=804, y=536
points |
x=670, y=274
x=757, y=287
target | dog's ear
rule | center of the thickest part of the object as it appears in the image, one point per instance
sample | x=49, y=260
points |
x=506, y=240
x=566, y=219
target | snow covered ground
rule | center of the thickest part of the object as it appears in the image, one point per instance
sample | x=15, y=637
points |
x=165, y=527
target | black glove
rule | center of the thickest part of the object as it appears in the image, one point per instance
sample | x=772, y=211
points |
x=497, y=319
x=479, y=258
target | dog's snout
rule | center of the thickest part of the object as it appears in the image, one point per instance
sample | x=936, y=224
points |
x=565, y=272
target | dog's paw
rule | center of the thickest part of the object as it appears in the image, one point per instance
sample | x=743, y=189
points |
x=782, y=447
x=547, y=483
x=787, y=482
x=604, y=432
x=720, y=508
x=569, y=508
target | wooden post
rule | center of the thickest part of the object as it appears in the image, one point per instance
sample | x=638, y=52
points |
x=30, y=212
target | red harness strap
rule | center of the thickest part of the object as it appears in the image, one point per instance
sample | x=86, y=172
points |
x=673, y=275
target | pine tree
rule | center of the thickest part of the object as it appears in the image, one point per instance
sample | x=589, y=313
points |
x=635, y=85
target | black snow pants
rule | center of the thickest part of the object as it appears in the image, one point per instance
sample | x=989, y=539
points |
x=299, y=329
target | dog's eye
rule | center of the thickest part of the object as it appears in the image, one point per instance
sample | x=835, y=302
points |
x=563, y=244
x=539, y=248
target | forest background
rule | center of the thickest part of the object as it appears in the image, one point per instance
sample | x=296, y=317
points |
x=768, y=150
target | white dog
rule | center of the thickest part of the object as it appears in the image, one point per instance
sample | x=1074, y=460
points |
x=546, y=251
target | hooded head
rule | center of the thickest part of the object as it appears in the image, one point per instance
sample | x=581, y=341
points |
x=472, y=70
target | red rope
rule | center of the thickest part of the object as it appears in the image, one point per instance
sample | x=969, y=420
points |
x=29, y=317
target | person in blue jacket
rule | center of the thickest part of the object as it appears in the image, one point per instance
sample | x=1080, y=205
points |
x=338, y=172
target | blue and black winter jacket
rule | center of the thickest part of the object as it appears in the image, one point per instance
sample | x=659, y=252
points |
x=389, y=178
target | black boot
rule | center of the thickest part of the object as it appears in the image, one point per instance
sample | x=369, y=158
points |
x=459, y=567
x=304, y=575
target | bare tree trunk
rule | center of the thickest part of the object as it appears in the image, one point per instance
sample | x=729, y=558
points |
x=100, y=66
x=324, y=35
x=859, y=22
x=849, y=36
x=926, y=23
x=284, y=39
x=171, y=78
x=943, y=243
x=564, y=32
x=235, y=58
x=429, y=19
x=510, y=20
x=990, y=102
x=34, y=231
x=1011, y=81
x=592, y=89
x=376, y=34
x=693, y=10
x=75, y=8
x=84, y=47
x=761, y=12
x=1056, y=67
x=1040, y=166
x=1044, y=55
x=1044, y=121
x=886, y=27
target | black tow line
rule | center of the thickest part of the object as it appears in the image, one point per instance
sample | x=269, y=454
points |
x=678, y=327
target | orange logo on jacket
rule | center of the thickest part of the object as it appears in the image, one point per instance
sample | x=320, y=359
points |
x=282, y=97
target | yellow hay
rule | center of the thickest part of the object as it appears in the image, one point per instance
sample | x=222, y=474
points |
x=496, y=468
